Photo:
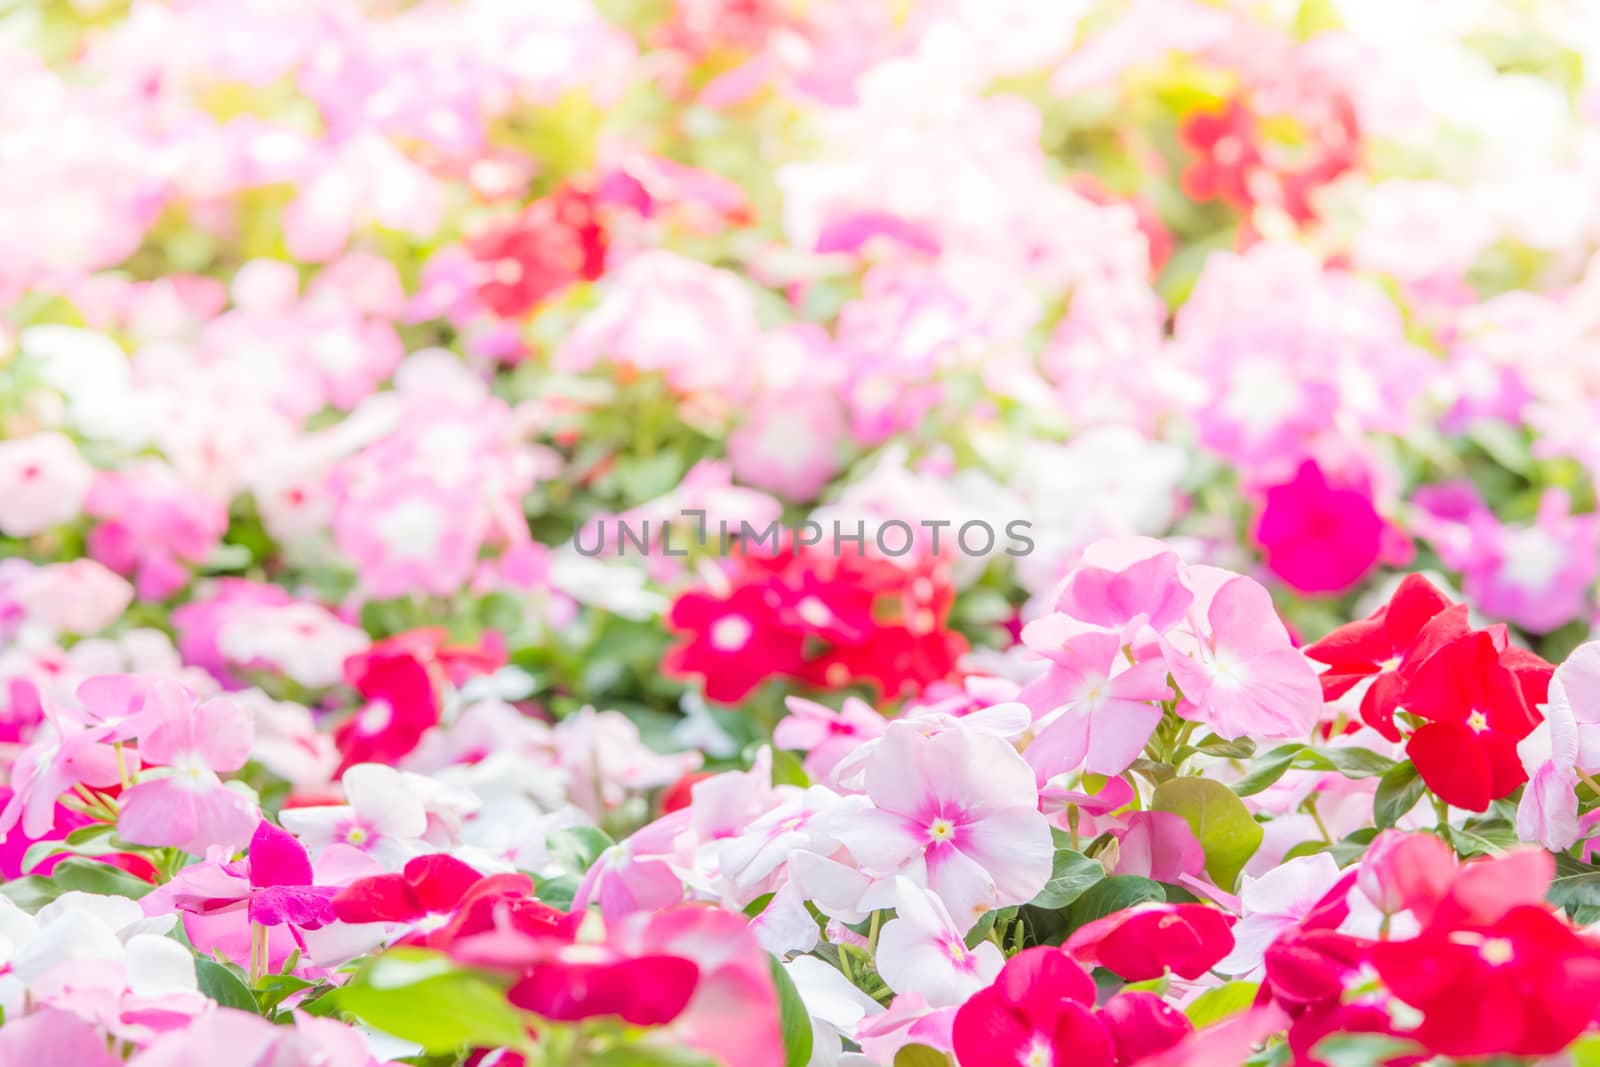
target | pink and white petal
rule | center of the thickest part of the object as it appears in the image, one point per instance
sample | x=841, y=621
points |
x=381, y=796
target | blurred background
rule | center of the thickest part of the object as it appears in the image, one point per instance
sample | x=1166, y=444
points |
x=322, y=321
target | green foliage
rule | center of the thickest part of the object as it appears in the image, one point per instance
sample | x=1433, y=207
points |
x=1219, y=820
x=425, y=998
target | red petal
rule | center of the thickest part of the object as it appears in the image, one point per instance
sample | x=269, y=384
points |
x=381, y=898
x=1413, y=605
x=439, y=881
x=1142, y=1024
x=1379, y=703
x=1453, y=764
x=646, y=991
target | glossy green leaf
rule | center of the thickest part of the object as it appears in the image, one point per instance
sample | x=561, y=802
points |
x=1221, y=1002
x=218, y=982
x=1398, y=792
x=1071, y=875
x=793, y=1018
x=1114, y=893
x=1219, y=821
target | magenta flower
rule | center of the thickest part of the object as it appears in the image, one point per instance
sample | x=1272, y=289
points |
x=273, y=886
x=1319, y=538
x=957, y=812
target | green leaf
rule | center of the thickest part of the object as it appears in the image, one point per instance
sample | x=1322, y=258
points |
x=218, y=982
x=1221, y=1002
x=1267, y=770
x=1360, y=1050
x=1219, y=820
x=1239, y=748
x=1586, y=1052
x=1112, y=894
x=577, y=847
x=794, y=1020
x=75, y=874
x=920, y=1056
x=99, y=839
x=30, y=893
x=424, y=998
x=1398, y=792
x=1350, y=762
x=1576, y=884
x=1071, y=875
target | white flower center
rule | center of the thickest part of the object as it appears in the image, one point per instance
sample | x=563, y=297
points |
x=731, y=633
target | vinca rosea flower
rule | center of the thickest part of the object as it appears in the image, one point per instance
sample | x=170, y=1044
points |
x=855, y=533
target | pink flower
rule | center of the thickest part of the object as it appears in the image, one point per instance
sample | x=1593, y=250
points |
x=1316, y=537
x=959, y=812
x=789, y=442
x=153, y=526
x=183, y=803
x=1274, y=903
x=64, y=754
x=921, y=951
x=1246, y=678
x=664, y=312
x=415, y=536
x=242, y=1038
x=1090, y=708
x=1567, y=741
x=824, y=735
x=43, y=483
x=1537, y=576
x=384, y=817
x=79, y=597
x=272, y=886
x=54, y=1038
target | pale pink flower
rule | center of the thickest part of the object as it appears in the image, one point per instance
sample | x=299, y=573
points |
x=1091, y=707
x=78, y=597
x=303, y=642
x=824, y=735
x=244, y=1038
x=1245, y=676
x=921, y=951
x=663, y=312
x=1275, y=903
x=1538, y=576
x=384, y=817
x=958, y=812
x=1567, y=741
x=789, y=443
x=64, y=754
x=43, y=483
x=415, y=536
x=182, y=802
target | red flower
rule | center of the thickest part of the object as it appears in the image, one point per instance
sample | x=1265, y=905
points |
x=828, y=620
x=641, y=991
x=1533, y=984
x=554, y=242
x=434, y=885
x=1381, y=645
x=735, y=642
x=1040, y=1009
x=1228, y=150
x=402, y=705
x=1478, y=709
x=1145, y=942
x=1316, y=537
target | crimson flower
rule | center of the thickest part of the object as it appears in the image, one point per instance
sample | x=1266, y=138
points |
x=554, y=242
x=1227, y=149
x=823, y=619
x=1040, y=1009
x=1144, y=942
x=1476, y=697
x=1382, y=645
x=427, y=891
x=401, y=679
x=1534, y=984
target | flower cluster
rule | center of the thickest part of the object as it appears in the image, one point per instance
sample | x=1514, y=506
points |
x=1140, y=607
